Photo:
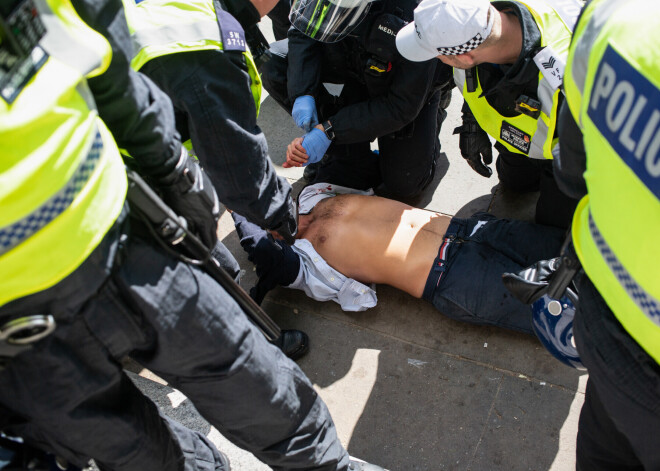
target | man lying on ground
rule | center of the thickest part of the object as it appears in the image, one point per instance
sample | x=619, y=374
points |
x=347, y=239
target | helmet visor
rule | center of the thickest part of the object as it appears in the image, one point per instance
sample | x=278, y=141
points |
x=328, y=20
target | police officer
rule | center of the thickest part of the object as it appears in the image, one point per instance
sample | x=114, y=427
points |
x=80, y=289
x=216, y=92
x=384, y=96
x=508, y=60
x=610, y=150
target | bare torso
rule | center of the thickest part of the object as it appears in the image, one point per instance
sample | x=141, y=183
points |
x=373, y=239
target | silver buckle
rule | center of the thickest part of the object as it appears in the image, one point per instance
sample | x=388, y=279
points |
x=27, y=330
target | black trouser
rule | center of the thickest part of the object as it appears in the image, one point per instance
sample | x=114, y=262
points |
x=406, y=161
x=520, y=173
x=619, y=426
x=177, y=321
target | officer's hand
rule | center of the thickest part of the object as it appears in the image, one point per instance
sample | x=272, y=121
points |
x=189, y=192
x=531, y=283
x=296, y=155
x=315, y=144
x=288, y=228
x=304, y=112
x=475, y=148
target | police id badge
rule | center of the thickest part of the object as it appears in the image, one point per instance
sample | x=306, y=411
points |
x=515, y=137
x=20, y=54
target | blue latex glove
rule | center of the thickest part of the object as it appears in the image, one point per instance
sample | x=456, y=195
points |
x=304, y=112
x=315, y=143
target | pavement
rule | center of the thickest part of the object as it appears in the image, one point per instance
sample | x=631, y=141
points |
x=408, y=388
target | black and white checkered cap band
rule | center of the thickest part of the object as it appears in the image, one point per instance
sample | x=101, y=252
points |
x=463, y=48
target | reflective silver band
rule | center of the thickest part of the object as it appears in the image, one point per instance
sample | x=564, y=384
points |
x=586, y=40
x=644, y=301
x=545, y=93
x=168, y=34
x=16, y=233
x=568, y=11
x=59, y=43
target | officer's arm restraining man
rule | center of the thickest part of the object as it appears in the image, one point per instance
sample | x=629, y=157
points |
x=198, y=56
x=610, y=153
x=384, y=96
x=508, y=60
x=71, y=258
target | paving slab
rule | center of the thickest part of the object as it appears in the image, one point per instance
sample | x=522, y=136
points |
x=408, y=388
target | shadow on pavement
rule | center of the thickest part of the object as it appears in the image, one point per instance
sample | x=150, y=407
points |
x=409, y=406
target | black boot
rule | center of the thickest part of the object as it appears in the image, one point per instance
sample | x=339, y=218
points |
x=294, y=343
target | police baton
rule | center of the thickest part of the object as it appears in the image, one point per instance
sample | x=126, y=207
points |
x=173, y=230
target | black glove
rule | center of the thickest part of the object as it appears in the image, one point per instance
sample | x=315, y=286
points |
x=475, y=145
x=277, y=265
x=276, y=262
x=288, y=228
x=189, y=192
x=531, y=283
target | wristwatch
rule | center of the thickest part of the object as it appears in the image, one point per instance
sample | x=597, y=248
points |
x=327, y=129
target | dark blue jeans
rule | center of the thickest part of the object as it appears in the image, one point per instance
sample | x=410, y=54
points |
x=177, y=321
x=467, y=285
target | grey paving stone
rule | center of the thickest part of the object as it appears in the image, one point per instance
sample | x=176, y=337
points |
x=523, y=428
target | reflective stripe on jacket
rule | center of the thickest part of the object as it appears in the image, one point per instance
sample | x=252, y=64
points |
x=162, y=27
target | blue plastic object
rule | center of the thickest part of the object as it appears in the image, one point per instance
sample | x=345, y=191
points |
x=315, y=143
x=304, y=112
x=552, y=321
